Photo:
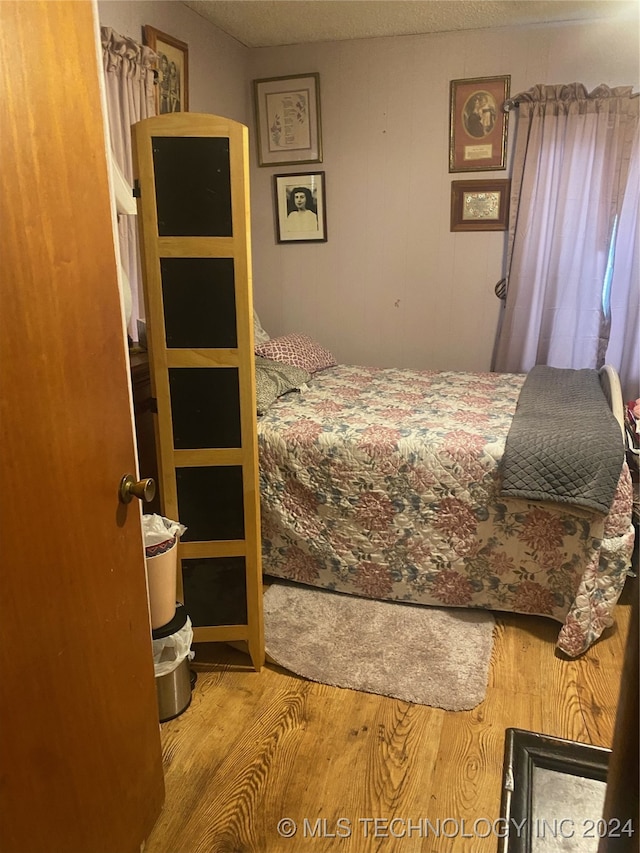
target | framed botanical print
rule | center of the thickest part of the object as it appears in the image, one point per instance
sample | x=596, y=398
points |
x=288, y=125
x=172, y=85
x=478, y=124
x=480, y=205
x=301, y=215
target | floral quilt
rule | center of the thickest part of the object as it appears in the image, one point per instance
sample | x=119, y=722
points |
x=385, y=483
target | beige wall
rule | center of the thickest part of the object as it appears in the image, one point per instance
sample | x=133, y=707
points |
x=392, y=286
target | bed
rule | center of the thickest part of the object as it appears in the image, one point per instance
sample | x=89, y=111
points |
x=387, y=483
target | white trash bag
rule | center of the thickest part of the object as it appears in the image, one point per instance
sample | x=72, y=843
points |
x=169, y=652
x=158, y=529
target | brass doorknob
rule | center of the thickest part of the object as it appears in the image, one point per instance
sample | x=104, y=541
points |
x=145, y=490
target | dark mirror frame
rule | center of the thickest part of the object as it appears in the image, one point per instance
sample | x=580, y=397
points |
x=524, y=751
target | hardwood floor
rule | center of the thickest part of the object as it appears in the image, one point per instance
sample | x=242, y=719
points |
x=256, y=748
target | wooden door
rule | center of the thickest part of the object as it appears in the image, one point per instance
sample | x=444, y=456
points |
x=79, y=734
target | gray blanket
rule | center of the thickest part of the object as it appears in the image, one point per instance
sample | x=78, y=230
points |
x=564, y=444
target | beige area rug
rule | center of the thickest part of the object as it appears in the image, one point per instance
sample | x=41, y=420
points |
x=426, y=655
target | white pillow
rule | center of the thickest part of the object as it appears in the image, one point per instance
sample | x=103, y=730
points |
x=259, y=334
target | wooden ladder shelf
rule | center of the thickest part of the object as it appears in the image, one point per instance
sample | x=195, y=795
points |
x=194, y=219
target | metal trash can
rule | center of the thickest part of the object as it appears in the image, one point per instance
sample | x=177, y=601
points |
x=173, y=687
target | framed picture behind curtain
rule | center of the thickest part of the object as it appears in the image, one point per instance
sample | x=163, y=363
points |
x=172, y=86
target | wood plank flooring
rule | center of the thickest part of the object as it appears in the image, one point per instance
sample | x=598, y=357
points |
x=256, y=748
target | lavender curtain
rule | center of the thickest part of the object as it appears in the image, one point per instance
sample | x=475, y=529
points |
x=623, y=350
x=571, y=163
x=129, y=80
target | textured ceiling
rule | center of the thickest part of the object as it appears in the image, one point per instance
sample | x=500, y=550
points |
x=263, y=23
